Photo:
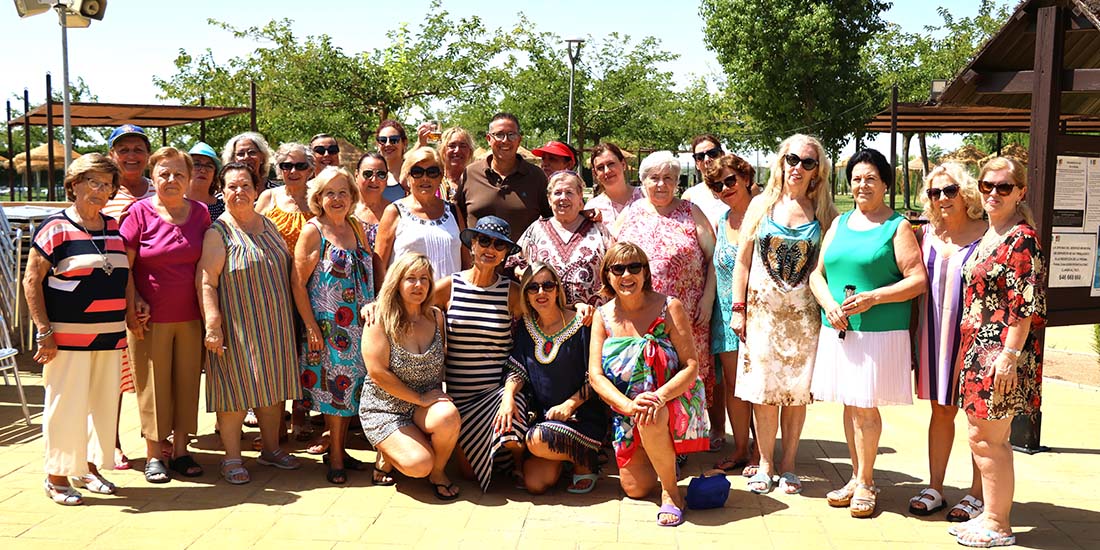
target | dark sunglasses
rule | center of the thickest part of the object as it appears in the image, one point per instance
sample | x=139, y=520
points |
x=712, y=153
x=634, y=268
x=330, y=150
x=299, y=166
x=1003, y=189
x=808, y=163
x=949, y=191
x=368, y=174
x=418, y=172
x=533, y=288
x=486, y=241
x=729, y=182
x=394, y=140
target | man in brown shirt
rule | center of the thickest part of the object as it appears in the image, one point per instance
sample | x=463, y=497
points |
x=503, y=183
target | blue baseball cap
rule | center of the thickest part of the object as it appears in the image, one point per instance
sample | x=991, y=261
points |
x=205, y=150
x=127, y=130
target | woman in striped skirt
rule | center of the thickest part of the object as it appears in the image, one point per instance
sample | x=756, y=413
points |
x=245, y=291
x=480, y=305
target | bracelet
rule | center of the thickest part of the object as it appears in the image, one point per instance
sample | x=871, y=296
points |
x=1012, y=351
x=738, y=307
x=40, y=336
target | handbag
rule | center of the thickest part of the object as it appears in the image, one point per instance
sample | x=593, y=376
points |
x=708, y=491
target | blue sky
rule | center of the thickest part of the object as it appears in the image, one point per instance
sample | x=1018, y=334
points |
x=139, y=39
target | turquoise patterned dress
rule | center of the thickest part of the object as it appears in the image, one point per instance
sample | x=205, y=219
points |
x=722, y=337
x=341, y=284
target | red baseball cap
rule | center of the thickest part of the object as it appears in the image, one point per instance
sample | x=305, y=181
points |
x=554, y=148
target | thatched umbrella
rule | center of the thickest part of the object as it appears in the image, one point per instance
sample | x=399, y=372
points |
x=967, y=154
x=40, y=158
x=349, y=154
x=915, y=165
x=482, y=152
x=1018, y=152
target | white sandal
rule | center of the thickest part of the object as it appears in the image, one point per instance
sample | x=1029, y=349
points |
x=930, y=506
x=971, y=506
x=63, y=495
x=94, y=483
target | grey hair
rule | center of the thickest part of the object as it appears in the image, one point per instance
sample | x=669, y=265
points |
x=258, y=140
x=657, y=161
x=284, y=151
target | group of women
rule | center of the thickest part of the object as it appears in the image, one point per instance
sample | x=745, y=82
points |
x=639, y=319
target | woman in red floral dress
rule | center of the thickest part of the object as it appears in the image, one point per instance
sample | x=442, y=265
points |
x=1001, y=368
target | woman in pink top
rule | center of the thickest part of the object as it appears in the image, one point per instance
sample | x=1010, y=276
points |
x=163, y=237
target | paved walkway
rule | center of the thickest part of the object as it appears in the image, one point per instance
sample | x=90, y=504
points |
x=1057, y=501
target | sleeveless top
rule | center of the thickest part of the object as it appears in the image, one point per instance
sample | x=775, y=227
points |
x=479, y=336
x=289, y=224
x=437, y=239
x=865, y=260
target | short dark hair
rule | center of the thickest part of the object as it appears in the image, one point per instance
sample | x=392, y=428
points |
x=506, y=116
x=320, y=136
x=705, y=137
x=238, y=166
x=874, y=158
x=372, y=155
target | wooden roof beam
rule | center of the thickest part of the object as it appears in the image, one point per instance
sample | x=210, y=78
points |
x=1023, y=82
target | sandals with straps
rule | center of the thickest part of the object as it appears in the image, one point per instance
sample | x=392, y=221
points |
x=233, y=471
x=842, y=497
x=863, y=506
x=921, y=505
x=64, y=495
x=969, y=506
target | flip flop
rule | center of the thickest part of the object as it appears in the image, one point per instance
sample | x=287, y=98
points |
x=386, y=478
x=992, y=537
x=789, y=483
x=350, y=462
x=928, y=507
x=123, y=463
x=155, y=472
x=186, y=466
x=761, y=477
x=446, y=487
x=729, y=464
x=672, y=510
x=750, y=470
x=577, y=478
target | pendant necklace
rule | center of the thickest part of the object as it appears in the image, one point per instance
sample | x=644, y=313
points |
x=108, y=267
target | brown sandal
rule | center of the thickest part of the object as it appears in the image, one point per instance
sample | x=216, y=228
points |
x=842, y=497
x=864, y=506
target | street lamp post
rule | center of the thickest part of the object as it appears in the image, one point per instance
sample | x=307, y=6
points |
x=573, y=57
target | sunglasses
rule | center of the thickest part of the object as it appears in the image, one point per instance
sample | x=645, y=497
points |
x=808, y=163
x=1003, y=189
x=634, y=268
x=486, y=242
x=393, y=140
x=368, y=174
x=299, y=166
x=949, y=191
x=418, y=172
x=330, y=150
x=712, y=153
x=533, y=288
x=717, y=186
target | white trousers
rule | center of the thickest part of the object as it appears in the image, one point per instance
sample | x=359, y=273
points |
x=81, y=410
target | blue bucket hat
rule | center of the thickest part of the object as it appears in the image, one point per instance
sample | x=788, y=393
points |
x=127, y=130
x=490, y=226
x=205, y=150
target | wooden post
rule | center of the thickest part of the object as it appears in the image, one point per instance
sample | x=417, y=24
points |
x=11, y=158
x=202, y=123
x=893, y=140
x=999, y=147
x=27, y=143
x=49, y=139
x=1046, y=98
x=163, y=136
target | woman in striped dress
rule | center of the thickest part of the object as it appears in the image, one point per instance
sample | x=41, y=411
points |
x=479, y=305
x=245, y=270
x=955, y=226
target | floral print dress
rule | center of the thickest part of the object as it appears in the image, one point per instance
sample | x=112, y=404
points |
x=1004, y=285
x=678, y=267
x=341, y=284
x=639, y=364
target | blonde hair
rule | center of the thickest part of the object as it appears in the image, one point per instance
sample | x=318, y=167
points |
x=824, y=209
x=390, y=308
x=418, y=155
x=1018, y=173
x=449, y=134
x=534, y=269
x=170, y=153
x=316, y=186
x=90, y=163
x=968, y=188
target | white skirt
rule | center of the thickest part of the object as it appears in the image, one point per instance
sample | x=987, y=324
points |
x=865, y=369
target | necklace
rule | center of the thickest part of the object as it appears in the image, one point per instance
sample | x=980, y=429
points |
x=108, y=267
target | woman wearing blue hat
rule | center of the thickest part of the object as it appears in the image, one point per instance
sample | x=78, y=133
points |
x=204, y=185
x=480, y=305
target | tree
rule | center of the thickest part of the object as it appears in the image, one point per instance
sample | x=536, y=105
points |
x=795, y=66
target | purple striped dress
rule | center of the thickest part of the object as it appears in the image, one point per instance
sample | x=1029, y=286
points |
x=940, y=313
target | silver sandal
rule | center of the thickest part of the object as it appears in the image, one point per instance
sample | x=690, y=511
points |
x=94, y=483
x=63, y=495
